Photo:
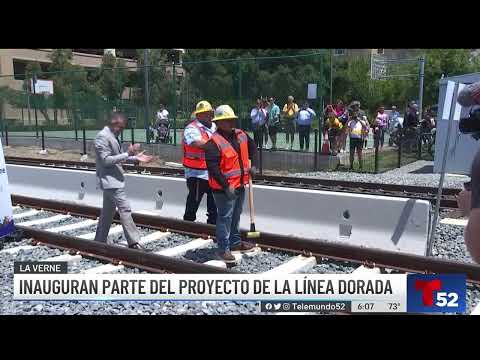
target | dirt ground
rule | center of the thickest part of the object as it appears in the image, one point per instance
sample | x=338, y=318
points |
x=32, y=152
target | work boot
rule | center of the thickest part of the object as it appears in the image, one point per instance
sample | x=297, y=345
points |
x=244, y=247
x=226, y=256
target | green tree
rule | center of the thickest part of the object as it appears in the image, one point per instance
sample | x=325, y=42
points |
x=445, y=62
x=61, y=69
x=112, y=78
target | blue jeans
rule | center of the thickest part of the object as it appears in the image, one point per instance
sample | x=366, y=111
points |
x=228, y=219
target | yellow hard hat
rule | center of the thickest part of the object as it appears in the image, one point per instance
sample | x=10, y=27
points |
x=224, y=112
x=203, y=106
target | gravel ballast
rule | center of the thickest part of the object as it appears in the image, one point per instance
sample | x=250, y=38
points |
x=418, y=173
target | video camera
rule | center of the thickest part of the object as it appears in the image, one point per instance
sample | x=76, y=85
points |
x=471, y=124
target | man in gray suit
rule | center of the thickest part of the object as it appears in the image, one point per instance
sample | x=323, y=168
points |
x=110, y=179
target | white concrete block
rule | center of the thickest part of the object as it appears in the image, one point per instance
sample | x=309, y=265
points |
x=103, y=269
x=363, y=270
x=255, y=251
x=217, y=263
x=182, y=249
x=59, y=217
x=15, y=250
x=25, y=214
x=458, y=222
x=70, y=259
x=298, y=264
x=117, y=229
x=173, y=164
x=149, y=212
x=157, y=235
x=476, y=310
x=70, y=227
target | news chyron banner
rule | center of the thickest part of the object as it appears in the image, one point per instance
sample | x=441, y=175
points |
x=6, y=212
x=330, y=293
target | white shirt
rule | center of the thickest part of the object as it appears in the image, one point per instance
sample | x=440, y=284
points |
x=162, y=114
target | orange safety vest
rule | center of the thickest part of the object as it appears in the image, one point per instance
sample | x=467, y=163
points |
x=230, y=161
x=194, y=157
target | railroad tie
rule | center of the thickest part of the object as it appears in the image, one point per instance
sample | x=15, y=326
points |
x=155, y=236
x=363, y=270
x=76, y=226
x=298, y=264
x=70, y=259
x=43, y=221
x=25, y=214
x=117, y=229
x=17, y=249
x=458, y=222
x=181, y=250
x=103, y=269
x=238, y=258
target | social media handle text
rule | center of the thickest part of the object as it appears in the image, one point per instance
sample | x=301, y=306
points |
x=306, y=306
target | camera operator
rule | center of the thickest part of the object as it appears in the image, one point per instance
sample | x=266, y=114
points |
x=469, y=198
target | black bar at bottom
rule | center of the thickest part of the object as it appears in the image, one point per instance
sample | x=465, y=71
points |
x=43, y=139
x=84, y=142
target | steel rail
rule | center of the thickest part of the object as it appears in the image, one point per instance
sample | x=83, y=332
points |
x=120, y=254
x=418, y=192
x=310, y=247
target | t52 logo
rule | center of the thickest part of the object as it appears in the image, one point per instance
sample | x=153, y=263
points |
x=436, y=293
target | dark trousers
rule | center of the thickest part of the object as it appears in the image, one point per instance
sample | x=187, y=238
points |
x=260, y=134
x=304, y=135
x=290, y=130
x=196, y=189
x=379, y=137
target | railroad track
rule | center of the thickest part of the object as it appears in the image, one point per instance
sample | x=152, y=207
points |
x=407, y=191
x=176, y=246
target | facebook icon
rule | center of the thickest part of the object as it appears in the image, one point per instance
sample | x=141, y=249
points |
x=436, y=293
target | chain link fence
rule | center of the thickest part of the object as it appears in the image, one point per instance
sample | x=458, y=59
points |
x=76, y=104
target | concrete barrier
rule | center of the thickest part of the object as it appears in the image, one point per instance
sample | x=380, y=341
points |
x=376, y=221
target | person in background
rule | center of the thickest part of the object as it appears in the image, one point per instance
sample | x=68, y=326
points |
x=273, y=121
x=356, y=129
x=341, y=113
x=259, y=119
x=333, y=127
x=394, y=121
x=411, y=116
x=381, y=124
x=264, y=129
x=355, y=108
x=162, y=114
x=195, y=136
x=339, y=108
x=304, y=121
x=228, y=154
x=469, y=198
x=290, y=110
x=110, y=178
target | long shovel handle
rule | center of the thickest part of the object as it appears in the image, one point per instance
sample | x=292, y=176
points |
x=250, y=200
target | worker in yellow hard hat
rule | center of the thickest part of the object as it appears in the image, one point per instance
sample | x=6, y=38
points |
x=195, y=136
x=228, y=154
